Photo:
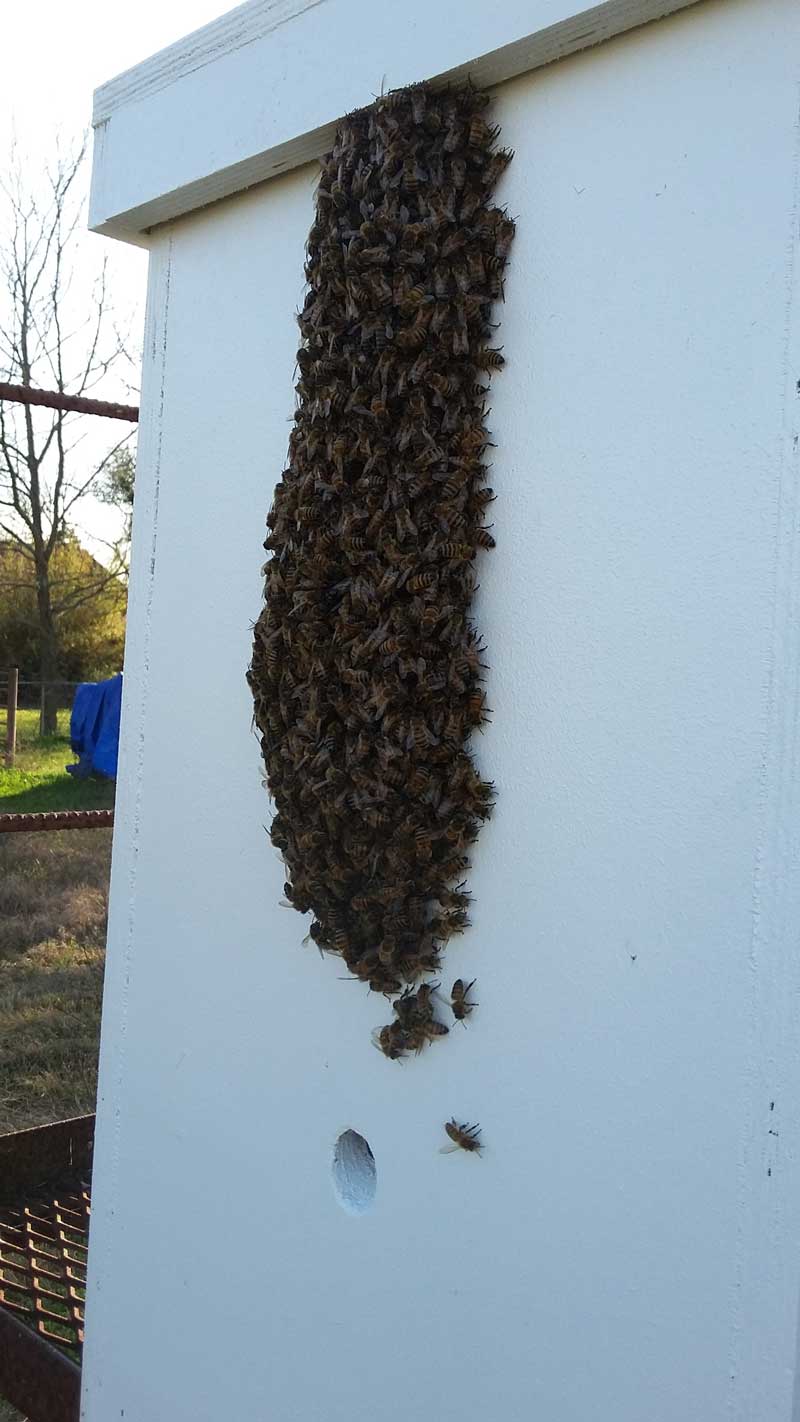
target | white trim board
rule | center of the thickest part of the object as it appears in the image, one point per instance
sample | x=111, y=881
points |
x=259, y=91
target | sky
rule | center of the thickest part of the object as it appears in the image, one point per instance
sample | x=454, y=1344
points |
x=52, y=56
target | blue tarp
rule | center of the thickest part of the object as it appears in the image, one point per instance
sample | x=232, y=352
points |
x=94, y=727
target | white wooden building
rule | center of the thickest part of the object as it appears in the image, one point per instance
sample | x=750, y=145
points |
x=627, y=1249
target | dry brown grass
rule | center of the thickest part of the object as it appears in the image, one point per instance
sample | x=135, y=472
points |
x=53, y=901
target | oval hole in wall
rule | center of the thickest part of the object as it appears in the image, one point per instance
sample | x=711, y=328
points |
x=355, y=1178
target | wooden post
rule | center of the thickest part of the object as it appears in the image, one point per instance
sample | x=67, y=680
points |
x=11, y=716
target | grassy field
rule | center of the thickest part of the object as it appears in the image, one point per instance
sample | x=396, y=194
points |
x=39, y=781
x=53, y=903
x=53, y=899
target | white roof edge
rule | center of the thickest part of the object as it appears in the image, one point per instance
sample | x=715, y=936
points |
x=250, y=21
x=278, y=75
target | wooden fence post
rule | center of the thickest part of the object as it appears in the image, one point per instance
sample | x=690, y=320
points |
x=11, y=716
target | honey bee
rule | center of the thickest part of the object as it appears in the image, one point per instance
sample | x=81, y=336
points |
x=490, y=359
x=339, y=196
x=381, y=290
x=458, y=172
x=422, y=581
x=459, y=999
x=393, y=101
x=496, y=166
x=414, y=335
x=424, y=994
x=505, y=236
x=376, y=256
x=445, y=384
x=420, y=733
x=465, y=1137
x=451, y=488
x=419, y=780
x=470, y=202
x=391, y=1040
x=453, y=137
x=405, y=1008
x=418, y=104
x=388, y=950
x=454, y=242
x=413, y=175
x=477, y=131
x=340, y=943
x=477, y=710
x=419, y=369
x=428, y=1032
x=382, y=698
x=415, y=297
x=415, y=965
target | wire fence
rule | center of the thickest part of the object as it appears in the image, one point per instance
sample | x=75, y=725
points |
x=30, y=697
x=30, y=690
x=23, y=719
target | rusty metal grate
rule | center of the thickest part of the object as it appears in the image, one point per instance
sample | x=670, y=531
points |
x=43, y=1247
x=45, y=1176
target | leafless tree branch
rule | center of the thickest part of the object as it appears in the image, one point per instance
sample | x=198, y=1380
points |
x=46, y=339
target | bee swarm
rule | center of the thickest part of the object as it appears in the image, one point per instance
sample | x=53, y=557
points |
x=366, y=670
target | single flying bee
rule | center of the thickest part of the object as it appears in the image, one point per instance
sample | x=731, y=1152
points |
x=464, y=1137
x=459, y=999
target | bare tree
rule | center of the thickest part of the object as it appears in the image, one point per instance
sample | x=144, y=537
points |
x=54, y=334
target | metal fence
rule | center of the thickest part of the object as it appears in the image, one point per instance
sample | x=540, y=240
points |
x=24, y=693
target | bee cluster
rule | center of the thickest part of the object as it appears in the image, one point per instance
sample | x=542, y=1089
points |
x=367, y=669
x=415, y=1024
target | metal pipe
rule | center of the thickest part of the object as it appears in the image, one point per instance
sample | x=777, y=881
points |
x=59, y=400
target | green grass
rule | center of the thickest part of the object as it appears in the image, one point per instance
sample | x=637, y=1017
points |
x=38, y=780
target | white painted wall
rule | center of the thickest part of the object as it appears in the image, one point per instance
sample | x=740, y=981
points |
x=628, y=1247
x=260, y=90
